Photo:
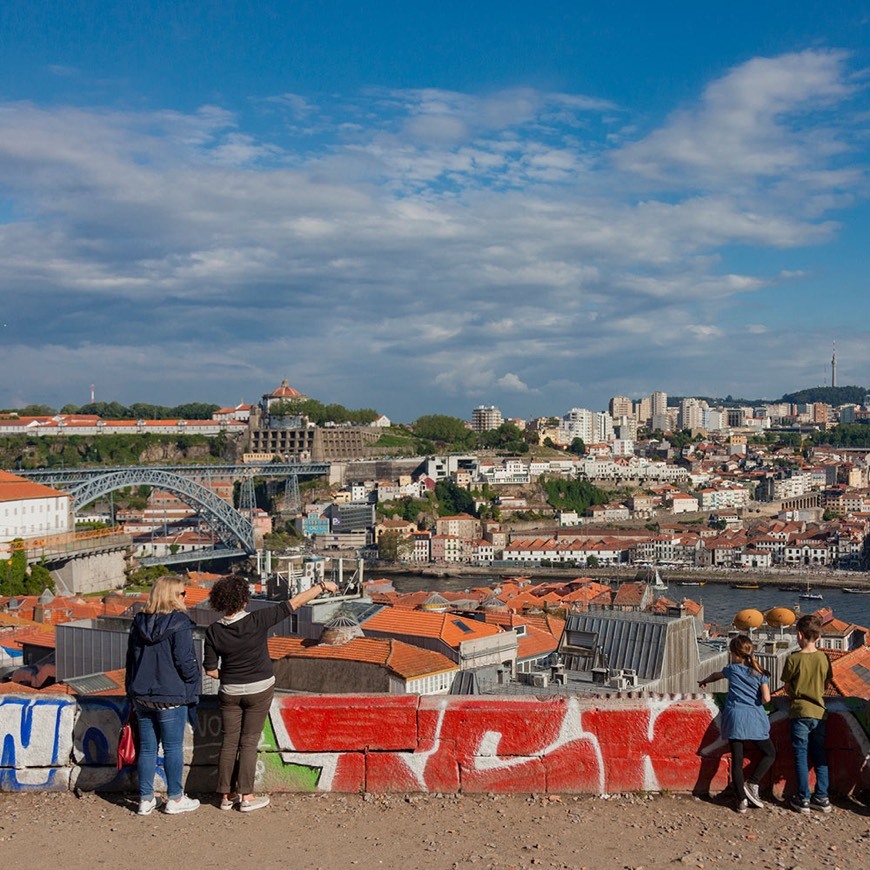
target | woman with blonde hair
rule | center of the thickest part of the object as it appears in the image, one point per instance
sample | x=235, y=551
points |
x=163, y=682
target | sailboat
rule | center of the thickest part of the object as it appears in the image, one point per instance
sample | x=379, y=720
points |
x=815, y=596
x=659, y=585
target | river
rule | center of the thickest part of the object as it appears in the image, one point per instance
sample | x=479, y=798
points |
x=720, y=601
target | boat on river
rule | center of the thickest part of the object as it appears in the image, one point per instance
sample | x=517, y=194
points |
x=855, y=591
x=745, y=586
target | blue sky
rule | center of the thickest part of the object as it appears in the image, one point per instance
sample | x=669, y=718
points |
x=425, y=207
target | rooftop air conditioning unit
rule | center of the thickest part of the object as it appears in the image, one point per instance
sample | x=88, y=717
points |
x=618, y=682
x=630, y=675
x=599, y=676
x=540, y=681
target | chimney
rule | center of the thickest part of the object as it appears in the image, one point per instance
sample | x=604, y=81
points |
x=39, y=613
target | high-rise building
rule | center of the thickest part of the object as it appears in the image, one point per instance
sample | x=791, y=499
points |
x=486, y=417
x=592, y=426
x=659, y=403
x=620, y=406
x=692, y=413
x=643, y=411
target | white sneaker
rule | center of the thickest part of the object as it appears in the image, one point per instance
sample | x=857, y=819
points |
x=752, y=795
x=227, y=803
x=255, y=803
x=184, y=804
x=146, y=807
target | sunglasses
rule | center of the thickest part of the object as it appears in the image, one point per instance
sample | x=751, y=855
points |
x=182, y=594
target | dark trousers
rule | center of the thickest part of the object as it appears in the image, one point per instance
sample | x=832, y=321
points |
x=768, y=755
x=242, y=720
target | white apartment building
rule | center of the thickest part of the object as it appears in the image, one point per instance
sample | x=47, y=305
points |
x=715, y=420
x=789, y=487
x=486, y=417
x=29, y=509
x=723, y=497
x=591, y=426
x=692, y=413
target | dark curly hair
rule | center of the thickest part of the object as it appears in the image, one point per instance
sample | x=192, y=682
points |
x=229, y=595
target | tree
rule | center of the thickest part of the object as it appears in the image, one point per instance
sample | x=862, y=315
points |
x=444, y=429
x=39, y=580
x=13, y=574
x=577, y=447
x=452, y=499
x=591, y=561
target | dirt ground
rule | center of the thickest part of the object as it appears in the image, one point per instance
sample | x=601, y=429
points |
x=337, y=831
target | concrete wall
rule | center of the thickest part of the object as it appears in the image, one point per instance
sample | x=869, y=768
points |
x=353, y=743
x=94, y=572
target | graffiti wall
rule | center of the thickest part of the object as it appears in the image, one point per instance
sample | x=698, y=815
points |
x=376, y=743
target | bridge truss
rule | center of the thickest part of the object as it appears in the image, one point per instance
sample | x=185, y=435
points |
x=233, y=528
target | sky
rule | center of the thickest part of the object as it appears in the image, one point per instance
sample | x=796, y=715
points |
x=423, y=207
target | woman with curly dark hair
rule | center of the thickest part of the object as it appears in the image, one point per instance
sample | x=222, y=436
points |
x=237, y=655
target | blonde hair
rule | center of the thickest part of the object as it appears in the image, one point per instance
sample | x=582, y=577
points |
x=164, y=597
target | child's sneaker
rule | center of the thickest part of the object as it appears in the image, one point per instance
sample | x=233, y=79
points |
x=227, y=803
x=741, y=806
x=751, y=789
x=184, y=804
x=802, y=805
x=822, y=804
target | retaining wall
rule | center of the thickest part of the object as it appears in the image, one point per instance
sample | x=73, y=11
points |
x=377, y=743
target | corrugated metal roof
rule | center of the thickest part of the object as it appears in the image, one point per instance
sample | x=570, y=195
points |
x=628, y=640
x=91, y=684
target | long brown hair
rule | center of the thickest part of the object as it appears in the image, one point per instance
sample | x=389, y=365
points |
x=164, y=596
x=743, y=650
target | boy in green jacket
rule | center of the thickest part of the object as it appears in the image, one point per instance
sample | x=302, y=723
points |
x=805, y=675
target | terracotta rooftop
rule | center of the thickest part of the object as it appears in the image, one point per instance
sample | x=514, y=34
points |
x=448, y=627
x=404, y=659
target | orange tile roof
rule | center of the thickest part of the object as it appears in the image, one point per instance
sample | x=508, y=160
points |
x=195, y=595
x=15, y=488
x=444, y=626
x=404, y=659
x=852, y=673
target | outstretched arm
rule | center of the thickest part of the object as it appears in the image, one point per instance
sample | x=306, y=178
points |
x=717, y=675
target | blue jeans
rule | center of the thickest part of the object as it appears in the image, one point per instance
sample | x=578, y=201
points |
x=166, y=727
x=808, y=742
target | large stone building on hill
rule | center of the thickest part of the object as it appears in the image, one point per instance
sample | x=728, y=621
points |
x=294, y=436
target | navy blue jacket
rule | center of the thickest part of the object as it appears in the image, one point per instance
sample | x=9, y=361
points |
x=161, y=662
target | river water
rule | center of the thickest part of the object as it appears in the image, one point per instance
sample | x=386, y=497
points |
x=720, y=601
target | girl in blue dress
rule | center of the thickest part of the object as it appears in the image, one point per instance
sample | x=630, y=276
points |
x=744, y=718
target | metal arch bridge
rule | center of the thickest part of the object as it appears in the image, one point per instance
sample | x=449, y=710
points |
x=234, y=530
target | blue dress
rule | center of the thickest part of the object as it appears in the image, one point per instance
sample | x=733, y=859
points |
x=743, y=716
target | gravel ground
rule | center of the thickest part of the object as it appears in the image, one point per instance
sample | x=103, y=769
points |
x=337, y=831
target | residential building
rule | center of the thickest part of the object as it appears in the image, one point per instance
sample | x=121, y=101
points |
x=28, y=509
x=486, y=417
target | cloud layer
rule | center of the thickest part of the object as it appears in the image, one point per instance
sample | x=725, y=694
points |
x=424, y=250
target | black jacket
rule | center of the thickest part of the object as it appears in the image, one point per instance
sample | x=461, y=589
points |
x=161, y=662
x=240, y=648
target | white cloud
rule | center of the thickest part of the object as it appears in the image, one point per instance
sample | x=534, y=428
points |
x=430, y=247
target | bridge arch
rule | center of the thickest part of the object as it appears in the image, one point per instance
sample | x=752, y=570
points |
x=228, y=524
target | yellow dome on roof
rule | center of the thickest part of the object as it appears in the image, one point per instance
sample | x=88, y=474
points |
x=749, y=618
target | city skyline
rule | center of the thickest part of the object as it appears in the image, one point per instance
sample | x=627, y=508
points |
x=487, y=206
